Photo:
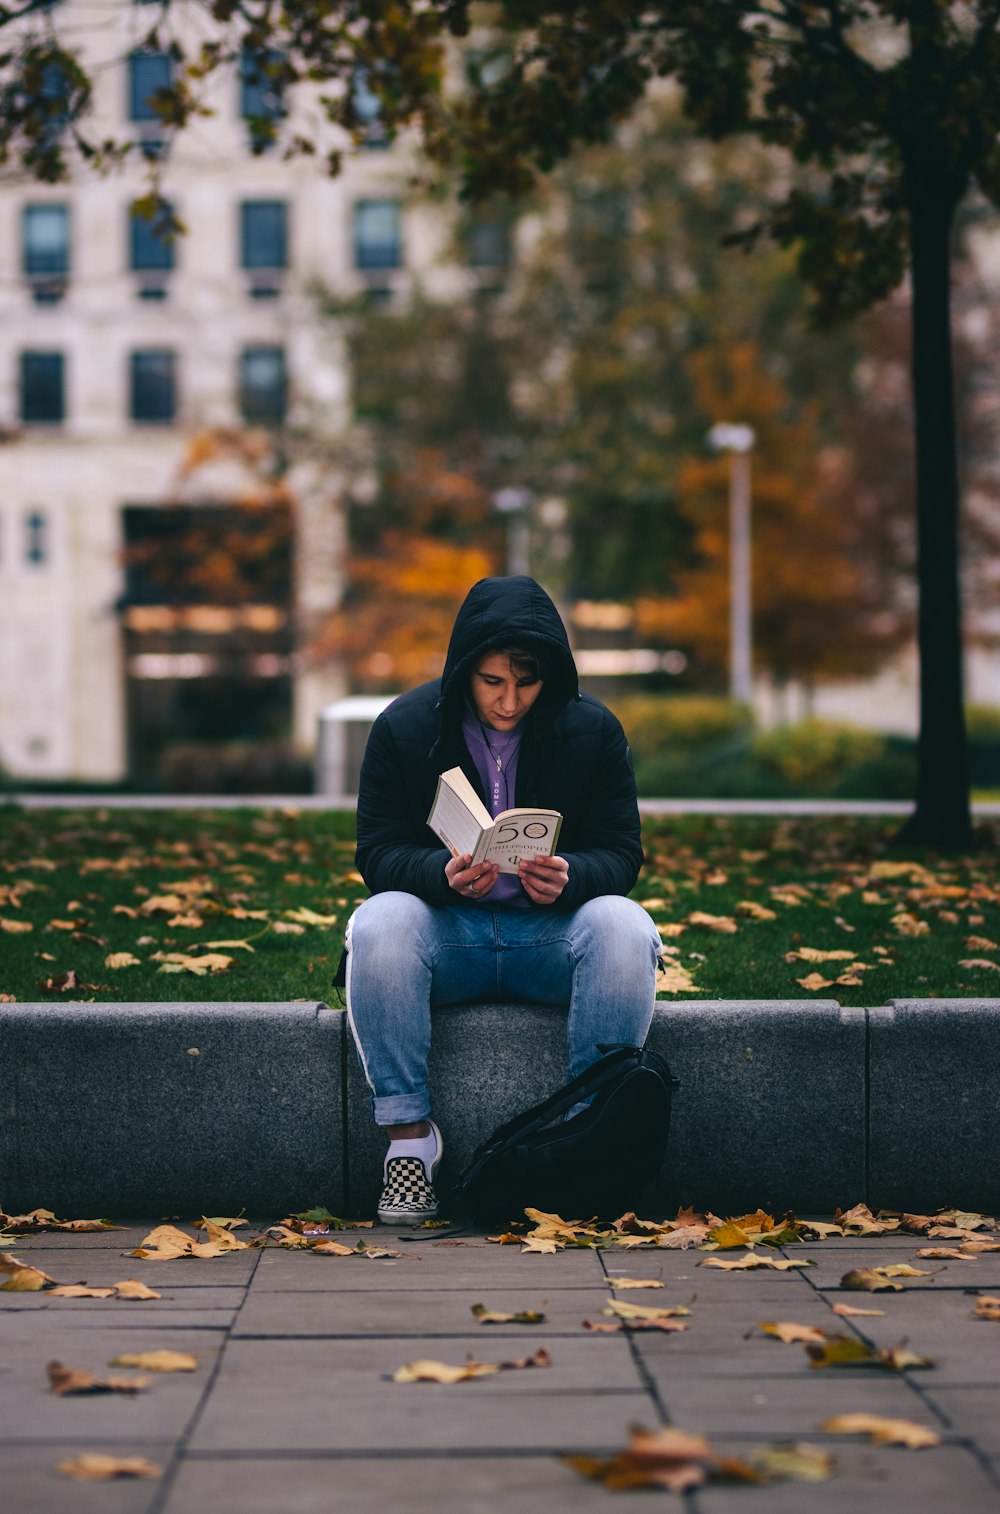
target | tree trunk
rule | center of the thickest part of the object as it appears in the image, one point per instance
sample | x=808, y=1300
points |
x=942, y=816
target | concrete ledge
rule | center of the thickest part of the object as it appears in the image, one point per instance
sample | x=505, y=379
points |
x=934, y=1104
x=188, y=1108
x=171, y=1108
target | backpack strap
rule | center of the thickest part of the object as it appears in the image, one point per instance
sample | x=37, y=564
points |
x=584, y=1086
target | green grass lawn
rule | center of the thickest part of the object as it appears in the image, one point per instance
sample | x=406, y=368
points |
x=267, y=894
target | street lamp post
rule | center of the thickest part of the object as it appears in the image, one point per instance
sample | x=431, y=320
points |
x=515, y=506
x=738, y=441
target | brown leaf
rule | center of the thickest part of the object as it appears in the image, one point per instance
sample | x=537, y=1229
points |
x=157, y=1361
x=848, y=1311
x=948, y=1253
x=797, y=1462
x=882, y=1431
x=987, y=1307
x=668, y=1458
x=94, y=1466
x=861, y=1221
x=634, y=1282
x=813, y=954
x=333, y=1248
x=814, y=982
x=63, y=1380
x=723, y=924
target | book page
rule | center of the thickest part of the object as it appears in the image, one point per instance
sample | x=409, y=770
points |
x=453, y=818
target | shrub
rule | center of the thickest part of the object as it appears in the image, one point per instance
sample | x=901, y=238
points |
x=658, y=725
x=814, y=755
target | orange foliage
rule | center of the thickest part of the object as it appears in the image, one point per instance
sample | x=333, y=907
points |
x=394, y=632
x=815, y=607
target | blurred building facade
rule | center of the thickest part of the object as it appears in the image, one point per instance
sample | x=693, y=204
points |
x=127, y=359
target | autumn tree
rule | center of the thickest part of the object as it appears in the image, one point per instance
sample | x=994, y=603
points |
x=821, y=607
x=893, y=109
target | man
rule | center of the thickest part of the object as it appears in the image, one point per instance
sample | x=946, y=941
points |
x=439, y=930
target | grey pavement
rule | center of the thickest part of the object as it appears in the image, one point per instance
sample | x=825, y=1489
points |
x=293, y=1408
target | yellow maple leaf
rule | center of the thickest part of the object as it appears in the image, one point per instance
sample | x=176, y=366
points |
x=724, y=924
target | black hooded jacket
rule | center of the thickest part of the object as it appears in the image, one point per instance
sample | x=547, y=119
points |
x=573, y=758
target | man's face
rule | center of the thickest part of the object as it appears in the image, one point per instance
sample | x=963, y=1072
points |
x=501, y=695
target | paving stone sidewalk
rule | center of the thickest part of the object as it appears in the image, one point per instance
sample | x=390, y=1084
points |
x=292, y=1409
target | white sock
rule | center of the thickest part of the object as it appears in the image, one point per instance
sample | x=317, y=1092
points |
x=424, y=1147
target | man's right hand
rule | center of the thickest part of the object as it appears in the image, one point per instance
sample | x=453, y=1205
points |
x=471, y=881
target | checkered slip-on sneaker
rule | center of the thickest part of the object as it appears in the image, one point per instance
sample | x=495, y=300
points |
x=408, y=1197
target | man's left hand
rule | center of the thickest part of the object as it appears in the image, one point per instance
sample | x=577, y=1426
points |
x=543, y=878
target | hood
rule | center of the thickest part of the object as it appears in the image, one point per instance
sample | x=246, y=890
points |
x=516, y=611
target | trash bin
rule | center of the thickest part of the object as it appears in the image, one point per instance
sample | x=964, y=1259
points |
x=340, y=745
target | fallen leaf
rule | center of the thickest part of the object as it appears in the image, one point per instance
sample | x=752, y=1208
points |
x=748, y=1263
x=981, y=962
x=622, y=1309
x=157, y=1361
x=94, y=1466
x=333, y=1248
x=791, y=1334
x=948, y=1253
x=755, y=911
x=981, y=944
x=909, y=925
x=795, y=1462
x=80, y=1290
x=814, y=954
x=64, y=1380
x=23, y=1279
x=542, y=1245
x=724, y=924
x=132, y=1289
x=729, y=1235
x=987, y=1307
x=882, y=1431
x=287, y=928
x=15, y=927
x=861, y=1221
x=669, y=1458
x=814, y=982
x=122, y=959
x=309, y=917
x=492, y=1317
x=672, y=978
x=902, y=1269
x=850, y=1312
x=849, y=1351
x=442, y=1372
x=179, y=962
x=634, y=1282
x=869, y=1280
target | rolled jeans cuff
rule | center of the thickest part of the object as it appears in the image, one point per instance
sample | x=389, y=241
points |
x=401, y=1108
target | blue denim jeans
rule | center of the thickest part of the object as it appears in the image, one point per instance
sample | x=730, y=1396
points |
x=405, y=956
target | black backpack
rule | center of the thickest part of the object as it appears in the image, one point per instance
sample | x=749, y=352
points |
x=596, y=1163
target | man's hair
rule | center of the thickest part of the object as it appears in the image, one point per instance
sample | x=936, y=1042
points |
x=525, y=664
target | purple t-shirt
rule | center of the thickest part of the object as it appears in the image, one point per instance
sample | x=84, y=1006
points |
x=495, y=754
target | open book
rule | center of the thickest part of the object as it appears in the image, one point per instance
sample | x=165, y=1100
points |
x=467, y=828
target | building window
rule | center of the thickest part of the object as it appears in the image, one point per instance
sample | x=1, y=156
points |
x=378, y=234
x=151, y=245
x=263, y=385
x=153, y=385
x=147, y=73
x=45, y=250
x=42, y=388
x=263, y=234
x=487, y=243
x=366, y=112
x=36, y=544
x=262, y=95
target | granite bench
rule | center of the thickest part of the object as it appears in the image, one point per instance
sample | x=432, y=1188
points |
x=211, y=1108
